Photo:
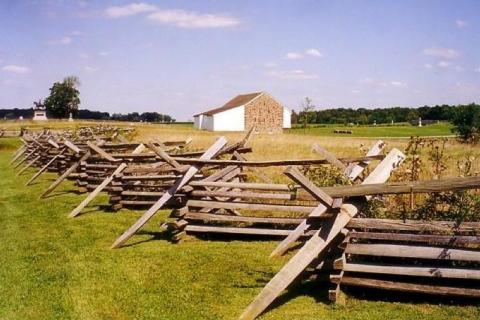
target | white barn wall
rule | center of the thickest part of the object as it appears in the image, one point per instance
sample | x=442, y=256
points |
x=287, y=118
x=230, y=120
x=197, y=122
x=207, y=123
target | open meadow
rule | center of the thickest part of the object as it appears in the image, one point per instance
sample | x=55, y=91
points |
x=441, y=129
x=58, y=268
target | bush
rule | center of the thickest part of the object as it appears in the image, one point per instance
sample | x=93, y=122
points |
x=467, y=122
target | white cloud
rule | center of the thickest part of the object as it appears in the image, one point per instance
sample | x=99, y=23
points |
x=355, y=91
x=76, y=33
x=16, y=69
x=129, y=10
x=461, y=23
x=313, y=53
x=83, y=55
x=175, y=17
x=398, y=84
x=443, y=64
x=103, y=53
x=477, y=70
x=62, y=41
x=381, y=83
x=189, y=19
x=293, y=56
x=89, y=69
x=270, y=65
x=445, y=53
x=293, y=75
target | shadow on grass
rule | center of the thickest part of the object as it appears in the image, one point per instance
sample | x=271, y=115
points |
x=61, y=193
x=96, y=208
x=315, y=289
x=100, y=208
x=33, y=184
x=155, y=236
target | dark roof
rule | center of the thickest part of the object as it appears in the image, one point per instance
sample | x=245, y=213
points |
x=238, y=101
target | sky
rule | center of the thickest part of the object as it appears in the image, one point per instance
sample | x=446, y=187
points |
x=184, y=57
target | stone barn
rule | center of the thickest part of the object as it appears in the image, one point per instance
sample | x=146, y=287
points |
x=257, y=109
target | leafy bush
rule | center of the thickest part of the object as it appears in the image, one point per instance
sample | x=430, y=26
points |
x=324, y=176
x=467, y=122
x=453, y=206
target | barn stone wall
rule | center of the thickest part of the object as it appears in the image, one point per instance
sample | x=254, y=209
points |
x=265, y=114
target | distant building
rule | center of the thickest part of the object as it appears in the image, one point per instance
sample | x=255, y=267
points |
x=39, y=111
x=259, y=110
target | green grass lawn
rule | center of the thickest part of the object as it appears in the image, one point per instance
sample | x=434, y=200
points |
x=440, y=129
x=52, y=267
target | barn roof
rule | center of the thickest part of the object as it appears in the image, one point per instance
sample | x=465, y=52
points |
x=238, y=101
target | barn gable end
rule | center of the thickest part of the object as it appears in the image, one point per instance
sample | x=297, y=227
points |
x=265, y=113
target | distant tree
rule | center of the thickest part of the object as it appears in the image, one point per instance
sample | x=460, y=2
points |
x=307, y=112
x=412, y=115
x=362, y=119
x=64, y=98
x=295, y=117
x=467, y=122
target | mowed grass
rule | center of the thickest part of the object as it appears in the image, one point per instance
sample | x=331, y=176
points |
x=440, y=129
x=52, y=267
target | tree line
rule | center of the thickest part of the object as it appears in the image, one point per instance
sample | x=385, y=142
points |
x=86, y=114
x=64, y=100
x=465, y=118
x=363, y=116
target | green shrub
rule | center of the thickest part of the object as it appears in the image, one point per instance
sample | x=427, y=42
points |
x=467, y=122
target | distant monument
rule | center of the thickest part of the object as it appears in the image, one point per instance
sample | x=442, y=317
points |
x=39, y=111
x=70, y=117
x=420, y=122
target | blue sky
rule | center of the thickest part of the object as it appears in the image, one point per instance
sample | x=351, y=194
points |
x=182, y=57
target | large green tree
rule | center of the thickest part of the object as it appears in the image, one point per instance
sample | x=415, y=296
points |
x=64, y=98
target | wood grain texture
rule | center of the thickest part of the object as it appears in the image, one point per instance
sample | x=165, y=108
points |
x=405, y=270
x=412, y=251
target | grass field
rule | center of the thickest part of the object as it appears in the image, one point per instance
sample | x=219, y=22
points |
x=440, y=129
x=57, y=268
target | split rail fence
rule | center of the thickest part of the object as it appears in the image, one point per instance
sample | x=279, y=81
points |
x=210, y=195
